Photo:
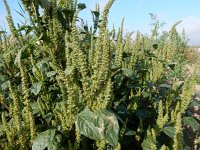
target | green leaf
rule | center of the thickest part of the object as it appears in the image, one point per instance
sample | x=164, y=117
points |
x=81, y=6
x=44, y=67
x=130, y=132
x=36, y=87
x=5, y=85
x=101, y=124
x=51, y=73
x=142, y=113
x=19, y=54
x=169, y=130
x=62, y=19
x=48, y=117
x=155, y=46
x=47, y=140
x=96, y=13
x=45, y=4
x=23, y=27
x=2, y=65
x=86, y=124
x=187, y=148
x=190, y=121
x=194, y=103
x=165, y=86
x=172, y=66
x=35, y=108
x=2, y=32
x=129, y=73
x=118, y=79
x=111, y=127
x=146, y=144
x=145, y=94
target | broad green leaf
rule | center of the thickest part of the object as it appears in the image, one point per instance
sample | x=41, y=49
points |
x=5, y=85
x=172, y=66
x=19, y=54
x=130, y=132
x=118, y=79
x=36, y=87
x=129, y=73
x=142, y=113
x=62, y=19
x=187, y=147
x=44, y=67
x=145, y=94
x=51, y=73
x=2, y=32
x=35, y=108
x=194, y=103
x=2, y=79
x=86, y=124
x=155, y=46
x=146, y=144
x=190, y=121
x=23, y=27
x=96, y=13
x=81, y=6
x=111, y=127
x=48, y=117
x=45, y=4
x=2, y=65
x=98, y=125
x=47, y=140
x=169, y=130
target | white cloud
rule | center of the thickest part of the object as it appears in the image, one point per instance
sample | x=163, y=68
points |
x=3, y=21
x=191, y=25
x=2, y=18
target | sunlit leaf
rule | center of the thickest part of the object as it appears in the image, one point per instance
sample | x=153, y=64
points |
x=190, y=121
x=19, y=54
x=47, y=140
x=146, y=144
x=36, y=87
x=195, y=103
x=51, y=73
x=169, y=130
x=129, y=73
x=98, y=125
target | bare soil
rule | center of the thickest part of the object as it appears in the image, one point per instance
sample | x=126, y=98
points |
x=190, y=137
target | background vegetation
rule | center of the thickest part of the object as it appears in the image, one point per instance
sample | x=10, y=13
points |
x=64, y=86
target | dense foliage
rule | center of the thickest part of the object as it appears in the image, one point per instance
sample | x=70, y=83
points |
x=67, y=86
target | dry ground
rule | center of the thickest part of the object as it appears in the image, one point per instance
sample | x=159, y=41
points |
x=190, y=136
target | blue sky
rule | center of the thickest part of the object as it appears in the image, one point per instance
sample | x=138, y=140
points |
x=136, y=13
